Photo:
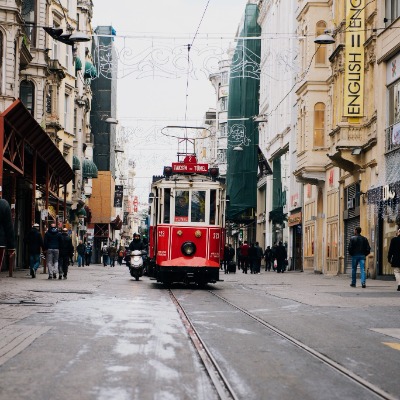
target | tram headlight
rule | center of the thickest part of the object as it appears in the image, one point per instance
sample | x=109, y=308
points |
x=188, y=248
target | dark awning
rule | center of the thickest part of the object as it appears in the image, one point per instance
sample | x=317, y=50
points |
x=89, y=169
x=18, y=118
x=76, y=164
x=90, y=70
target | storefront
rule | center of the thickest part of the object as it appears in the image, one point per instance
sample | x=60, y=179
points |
x=296, y=258
x=33, y=174
x=384, y=210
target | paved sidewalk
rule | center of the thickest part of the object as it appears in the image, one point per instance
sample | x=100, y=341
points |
x=319, y=290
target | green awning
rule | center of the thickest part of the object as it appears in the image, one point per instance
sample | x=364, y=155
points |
x=244, y=85
x=89, y=169
x=81, y=212
x=90, y=71
x=78, y=64
x=76, y=164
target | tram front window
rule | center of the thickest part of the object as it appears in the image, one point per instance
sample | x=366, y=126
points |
x=198, y=206
x=182, y=206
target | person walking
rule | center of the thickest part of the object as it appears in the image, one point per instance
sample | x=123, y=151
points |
x=239, y=255
x=80, y=249
x=66, y=251
x=112, y=253
x=394, y=257
x=52, y=240
x=280, y=255
x=358, y=248
x=104, y=254
x=244, y=256
x=7, y=239
x=120, y=255
x=268, y=258
x=88, y=253
x=252, y=256
x=35, y=244
x=259, y=256
x=225, y=258
x=273, y=251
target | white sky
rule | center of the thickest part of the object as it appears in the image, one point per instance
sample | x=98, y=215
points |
x=153, y=72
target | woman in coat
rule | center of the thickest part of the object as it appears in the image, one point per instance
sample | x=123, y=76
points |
x=394, y=257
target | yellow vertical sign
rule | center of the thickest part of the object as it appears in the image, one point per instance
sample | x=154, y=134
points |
x=354, y=59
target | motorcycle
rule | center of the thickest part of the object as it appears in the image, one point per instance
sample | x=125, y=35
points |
x=134, y=260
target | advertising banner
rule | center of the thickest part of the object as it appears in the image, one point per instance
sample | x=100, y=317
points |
x=118, y=195
x=354, y=59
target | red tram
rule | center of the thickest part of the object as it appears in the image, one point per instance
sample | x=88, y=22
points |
x=187, y=223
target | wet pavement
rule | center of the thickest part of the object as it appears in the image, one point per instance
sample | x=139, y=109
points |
x=105, y=336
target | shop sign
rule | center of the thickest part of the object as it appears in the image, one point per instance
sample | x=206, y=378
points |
x=387, y=194
x=294, y=219
x=354, y=59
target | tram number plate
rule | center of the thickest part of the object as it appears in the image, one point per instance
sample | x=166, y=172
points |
x=216, y=235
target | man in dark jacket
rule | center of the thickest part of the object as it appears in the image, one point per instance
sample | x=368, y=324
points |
x=6, y=230
x=358, y=248
x=136, y=243
x=52, y=240
x=80, y=249
x=66, y=251
x=268, y=257
x=35, y=244
x=280, y=255
x=394, y=257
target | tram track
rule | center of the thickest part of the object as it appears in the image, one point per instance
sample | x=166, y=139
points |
x=321, y=357
x=221, y=384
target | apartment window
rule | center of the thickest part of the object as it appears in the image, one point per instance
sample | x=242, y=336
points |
x=394, y=103
x=55, y=48
x=320, y=56
x=221, y=156
x=27, y=94
x=28, y=14
x=223, y=129
x=75, y=121
x=67, y=113
x=392, y=10
x=319, y=125
x=224, y=103
x=68, y=51
x=224, y=78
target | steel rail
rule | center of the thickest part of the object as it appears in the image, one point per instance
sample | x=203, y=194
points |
x=326, y=360
x=221, y=384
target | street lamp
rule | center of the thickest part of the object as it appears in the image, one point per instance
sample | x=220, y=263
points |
x=324, y=39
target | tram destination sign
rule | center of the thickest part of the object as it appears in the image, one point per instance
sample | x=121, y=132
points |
x=189, y=168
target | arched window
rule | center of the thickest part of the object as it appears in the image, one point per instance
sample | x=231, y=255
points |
x=27, y=94
x=319, y=125
x=320, y=56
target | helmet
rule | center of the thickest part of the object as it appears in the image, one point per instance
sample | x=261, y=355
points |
x=35, y=225
x=136, y=235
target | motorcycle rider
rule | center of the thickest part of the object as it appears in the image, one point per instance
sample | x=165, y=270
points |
x=136, y=243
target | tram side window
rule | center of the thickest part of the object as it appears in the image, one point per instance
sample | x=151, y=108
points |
x=167, y=205
x=198, y=206
x=213, y=203
x=182, y=206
